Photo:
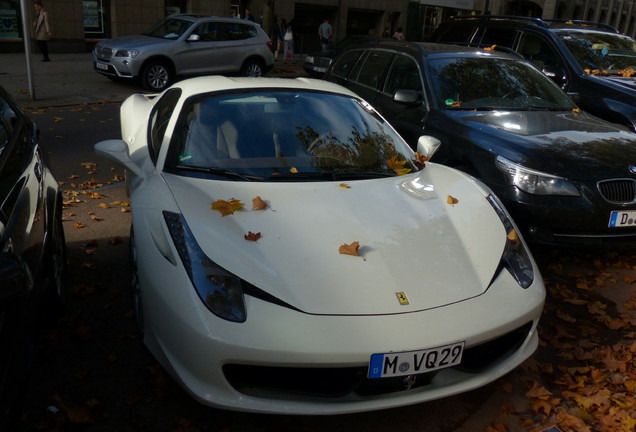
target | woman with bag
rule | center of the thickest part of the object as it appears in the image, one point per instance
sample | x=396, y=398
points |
x=289, y=43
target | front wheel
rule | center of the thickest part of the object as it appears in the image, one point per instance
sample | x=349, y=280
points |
x=252, y=68
x=156, y=76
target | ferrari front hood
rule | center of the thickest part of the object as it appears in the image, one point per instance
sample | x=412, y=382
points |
x=413, y=244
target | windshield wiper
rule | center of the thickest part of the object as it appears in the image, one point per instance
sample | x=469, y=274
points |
x=221, y=172
x=329, y=176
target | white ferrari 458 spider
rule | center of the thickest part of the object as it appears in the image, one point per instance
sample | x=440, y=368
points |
x=293, y=255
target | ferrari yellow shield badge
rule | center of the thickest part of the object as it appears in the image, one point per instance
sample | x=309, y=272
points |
x=402, y=298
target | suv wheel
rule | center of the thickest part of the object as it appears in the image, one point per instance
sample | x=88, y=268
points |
x=252, y=68
x=156, y=76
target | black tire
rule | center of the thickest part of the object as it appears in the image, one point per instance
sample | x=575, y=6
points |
x=252, y=68
x=156, y=76
x=134, y=284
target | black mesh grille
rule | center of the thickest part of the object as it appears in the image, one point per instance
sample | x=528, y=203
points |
x=621, y=191
x=339, y=382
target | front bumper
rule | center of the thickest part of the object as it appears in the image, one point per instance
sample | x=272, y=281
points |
x=121, y=67
x=213, y=358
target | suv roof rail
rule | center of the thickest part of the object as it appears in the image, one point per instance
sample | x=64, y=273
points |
x=584, y=23
x=537, y=21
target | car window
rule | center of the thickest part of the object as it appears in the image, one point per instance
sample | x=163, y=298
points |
x=8, y=119
x=374, y=66
x=538, y=51
x=236, y=31
x=601, y=53
x=345, y=63
x=284, y=134
x=159, y=119
x=209, y=31
x=404, y=74
x=487, y=83
x=169, y=28
x=504, y=37
x=460, y=33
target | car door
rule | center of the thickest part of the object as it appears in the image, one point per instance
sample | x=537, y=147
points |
x=202, y=50
x=22, y=219
x=408, y=119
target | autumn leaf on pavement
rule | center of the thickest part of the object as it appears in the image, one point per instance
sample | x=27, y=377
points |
x=350, y=249
x=398, y=166
x=79, y=225
x=227, y=207
x=451, y=200
x=250, y=236
x=116, y=240
x=258, y=204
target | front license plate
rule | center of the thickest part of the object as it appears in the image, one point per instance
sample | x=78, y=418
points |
x=319, y=69
x=415, y=362
x=621, y=218
x=101, y=66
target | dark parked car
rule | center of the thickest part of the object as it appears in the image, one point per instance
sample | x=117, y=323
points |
x=317, y=63
x=567, y=177
x=182, y=45
x=590, y=60
x=32, y=249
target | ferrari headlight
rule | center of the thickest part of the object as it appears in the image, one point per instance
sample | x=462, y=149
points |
x=132, y=53
x=535, y=182
x=220, y=290
x=515, y=258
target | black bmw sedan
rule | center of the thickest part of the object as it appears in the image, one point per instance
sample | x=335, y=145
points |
x=32, y=249
x=565, y=176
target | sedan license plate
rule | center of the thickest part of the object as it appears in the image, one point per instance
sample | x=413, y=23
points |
x=620, y=218
x=101, y=66
x=415, y=362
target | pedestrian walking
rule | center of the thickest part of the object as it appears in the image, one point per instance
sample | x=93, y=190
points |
x=289, y=43
x=41, y=30
x=281, y=27
x=324, y=32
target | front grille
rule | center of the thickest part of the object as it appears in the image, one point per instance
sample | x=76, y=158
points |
x=103, y=53
x=339, y=382
x=618, y=191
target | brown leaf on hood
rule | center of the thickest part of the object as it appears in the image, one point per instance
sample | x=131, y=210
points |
x=250, y=236
x=350, y=249
x=258, y=204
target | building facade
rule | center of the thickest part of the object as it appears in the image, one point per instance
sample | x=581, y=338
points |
x=79, y=24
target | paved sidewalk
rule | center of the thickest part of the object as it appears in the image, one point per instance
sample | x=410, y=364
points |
x=69, y=79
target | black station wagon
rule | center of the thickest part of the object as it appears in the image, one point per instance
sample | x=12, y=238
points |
x=566, y=177
x=591, y=61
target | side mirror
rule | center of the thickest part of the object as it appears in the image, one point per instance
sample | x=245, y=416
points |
x=15, y=278
x=117, y=151
x=556, y=74
x=428, y=145
x=408, y=97
x=193, y=38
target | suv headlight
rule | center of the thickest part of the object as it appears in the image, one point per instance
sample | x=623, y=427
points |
x=127, y=53
x=220, y=290
x=535, y=182
x=515, y=258
x=309, y=59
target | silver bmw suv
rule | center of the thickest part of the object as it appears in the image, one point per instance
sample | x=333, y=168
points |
x=182, y=45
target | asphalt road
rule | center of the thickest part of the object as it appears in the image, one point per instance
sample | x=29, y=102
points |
x=92, y=373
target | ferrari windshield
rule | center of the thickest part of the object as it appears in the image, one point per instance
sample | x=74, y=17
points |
x=169, y=28
x=491, y=83
x=602, y=53
x=272, y=135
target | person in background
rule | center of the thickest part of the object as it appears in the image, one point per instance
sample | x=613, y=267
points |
x=248, y=15
x=281, y=27
x=41, y=30
x=398, y=34
x=289, y=42
x=324, y=32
